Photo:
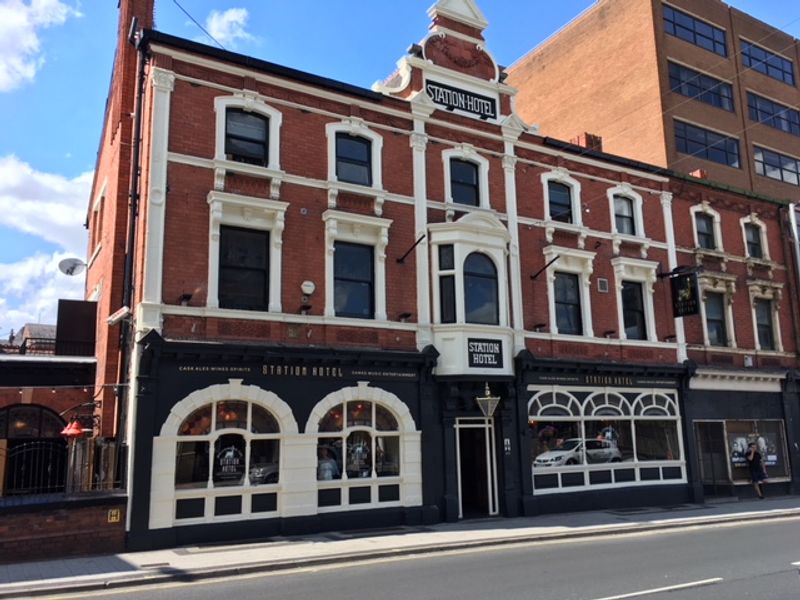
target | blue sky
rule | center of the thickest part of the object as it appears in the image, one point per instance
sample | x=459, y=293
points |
x=55, y=66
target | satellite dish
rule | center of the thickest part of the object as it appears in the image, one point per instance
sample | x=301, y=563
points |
x=71, y=266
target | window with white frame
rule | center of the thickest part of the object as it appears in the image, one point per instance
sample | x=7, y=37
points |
x=569, y=290
x=562, y=197
x=635, y=283
x=355, y=288
x=716, y=321
x=466, y=177
x=707, y=227
x=765, y=297
x=367, y=450
x=244, y=259
x=717, y=291
x=470, y=269
x=754, y=231
x=354, y=154
x=247, y=130
x=625, y=206
x=611, y=437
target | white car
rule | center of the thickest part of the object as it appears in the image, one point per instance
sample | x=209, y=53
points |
x=571, y=453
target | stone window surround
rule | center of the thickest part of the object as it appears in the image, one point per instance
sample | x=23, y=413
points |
x=705, y=208
x=250, y=213
x=578, y=262
x=617, y=238
x=767, y=290
x=722, y=284
x=357, y=229
x=467, y=153
x=474, y=232
x=640, y=271
x=752, y=219
x=356, y=127
x=561, y=175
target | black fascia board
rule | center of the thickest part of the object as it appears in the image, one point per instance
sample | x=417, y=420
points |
x=151, y=36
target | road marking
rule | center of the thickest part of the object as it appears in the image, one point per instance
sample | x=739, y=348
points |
x=670, y=588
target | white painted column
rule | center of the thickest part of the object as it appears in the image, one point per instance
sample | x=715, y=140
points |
x=672, y=257
x=163, y=83
x=421, y=108
x=512, y=129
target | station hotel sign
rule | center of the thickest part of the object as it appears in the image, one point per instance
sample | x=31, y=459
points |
x=451, y=97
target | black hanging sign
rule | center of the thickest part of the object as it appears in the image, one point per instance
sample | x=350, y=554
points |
x=485, y=354
x=685, y=295
x=451, y=97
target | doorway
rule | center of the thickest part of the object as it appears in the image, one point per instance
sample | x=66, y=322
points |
x=477, y=468
x=713, y=454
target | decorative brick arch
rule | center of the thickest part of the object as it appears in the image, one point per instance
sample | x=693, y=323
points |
x=362, y=392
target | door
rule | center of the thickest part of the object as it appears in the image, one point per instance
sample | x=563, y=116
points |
x=713, y=454
x=477, y=473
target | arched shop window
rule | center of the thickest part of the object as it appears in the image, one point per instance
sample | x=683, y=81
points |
x=228, y=444
x=28, y=421
x=590, y=439
x=358, y=440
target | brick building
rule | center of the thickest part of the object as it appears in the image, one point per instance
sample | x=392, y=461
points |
x=353, y=307
x=689, y=85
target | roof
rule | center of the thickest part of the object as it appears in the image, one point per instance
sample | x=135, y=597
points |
x=35, y=330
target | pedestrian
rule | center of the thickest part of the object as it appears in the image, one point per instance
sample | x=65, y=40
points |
x=758, y=473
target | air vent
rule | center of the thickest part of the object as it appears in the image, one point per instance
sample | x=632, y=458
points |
x=602, y=285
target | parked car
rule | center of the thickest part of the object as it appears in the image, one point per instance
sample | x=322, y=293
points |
x=261, y=473
x=572, y=450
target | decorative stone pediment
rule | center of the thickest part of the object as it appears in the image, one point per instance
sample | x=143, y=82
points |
x=461, y=11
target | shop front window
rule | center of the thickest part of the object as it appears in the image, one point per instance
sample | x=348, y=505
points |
x=586, y=438
x=228, y=444
x=769, y=438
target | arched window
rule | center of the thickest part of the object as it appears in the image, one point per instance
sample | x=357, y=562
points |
x=228, y=443
x=480, y=290
x=560, y=201
x=28, y=421
x=358, y=440
x=246, y=137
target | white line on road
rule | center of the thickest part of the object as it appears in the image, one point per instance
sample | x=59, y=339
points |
x=670, y=588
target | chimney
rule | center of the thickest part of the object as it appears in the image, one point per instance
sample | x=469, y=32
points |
x=699, y=173
x=589, y=141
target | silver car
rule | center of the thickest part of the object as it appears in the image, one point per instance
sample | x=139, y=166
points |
x=572, y=450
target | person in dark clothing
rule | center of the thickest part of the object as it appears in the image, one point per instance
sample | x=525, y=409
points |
x=758, y=473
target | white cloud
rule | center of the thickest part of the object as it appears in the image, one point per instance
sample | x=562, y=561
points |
x=31, y=289
x=228, y=27
x=53, y=208
x=20, y=47
x=48, y=206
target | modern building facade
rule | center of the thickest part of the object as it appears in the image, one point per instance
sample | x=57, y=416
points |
x=355, y=307
x=693, y=85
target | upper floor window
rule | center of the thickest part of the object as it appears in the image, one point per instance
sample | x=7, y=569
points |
x=704, y=225
x=246, y=137
x=560, y=201
x=447, y=284
x=480, y=290
x=752, y=234
x=764, y=323
x=466, y=176
x=716, y=321
x=353, y=276
x=694, y=31
x=245, y=251
x=773, y=114
x=568, y=303
x=691, y=83
x=768, y=63
x=247, y=131
x=777, y=166
x=243, y=268
x=624, y=215
x=353, y=159
x=464, y=182
x=633, y=311
x=690, y=139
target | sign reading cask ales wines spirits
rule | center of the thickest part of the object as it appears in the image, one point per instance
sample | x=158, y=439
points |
x=485, y=354
x=451, y=97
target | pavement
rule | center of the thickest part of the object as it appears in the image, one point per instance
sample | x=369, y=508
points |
x=191, y=563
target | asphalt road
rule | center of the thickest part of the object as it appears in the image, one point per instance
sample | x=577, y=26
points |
x=735, y=562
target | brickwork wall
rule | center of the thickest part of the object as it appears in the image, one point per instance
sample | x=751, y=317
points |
x=41, y=532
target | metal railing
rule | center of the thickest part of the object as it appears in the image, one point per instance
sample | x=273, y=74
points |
x=46, y=467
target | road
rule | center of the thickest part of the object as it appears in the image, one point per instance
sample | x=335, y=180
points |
x=733, y=562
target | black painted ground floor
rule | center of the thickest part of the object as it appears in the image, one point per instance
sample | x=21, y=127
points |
x=241, y=441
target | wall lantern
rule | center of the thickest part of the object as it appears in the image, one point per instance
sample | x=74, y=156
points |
x=487, y=403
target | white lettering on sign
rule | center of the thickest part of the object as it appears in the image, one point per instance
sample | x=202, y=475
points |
x=455, y=98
